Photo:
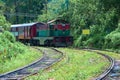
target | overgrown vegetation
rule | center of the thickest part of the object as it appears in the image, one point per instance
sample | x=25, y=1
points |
x=13, y=54
x=76, y=65
x=17, y=11
x=9, y=47
x=20, y=59
x=101, y=17
x=4, y=23
x=103, y=24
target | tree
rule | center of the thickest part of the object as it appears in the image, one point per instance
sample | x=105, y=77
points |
x=94, y=15
x=5, y=24
x=52, y=10
x=2, y=6
x=18, y=11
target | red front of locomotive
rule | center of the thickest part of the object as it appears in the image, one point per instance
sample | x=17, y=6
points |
x=61, y=33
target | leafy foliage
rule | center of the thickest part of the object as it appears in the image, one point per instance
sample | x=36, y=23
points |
x=17, y=11
x=5, y=24
x=113, y=39
x=52, y=10
x=9, y=47
x=95, y=15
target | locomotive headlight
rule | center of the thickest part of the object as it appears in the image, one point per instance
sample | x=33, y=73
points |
x=63, y=25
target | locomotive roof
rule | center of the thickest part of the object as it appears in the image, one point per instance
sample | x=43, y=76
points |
x=25, y=24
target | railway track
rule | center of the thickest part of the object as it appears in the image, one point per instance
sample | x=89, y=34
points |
x=115, y=73
x=50, y=57
x=106, y=73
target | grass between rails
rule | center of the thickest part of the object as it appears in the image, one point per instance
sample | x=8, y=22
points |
x=20, y=60
x=76, y=65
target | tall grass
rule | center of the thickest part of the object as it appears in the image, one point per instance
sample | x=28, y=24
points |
x=20, y=60
x=14, y=54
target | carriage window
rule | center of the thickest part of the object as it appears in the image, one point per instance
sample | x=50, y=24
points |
x=20, y=28
x=13, y=29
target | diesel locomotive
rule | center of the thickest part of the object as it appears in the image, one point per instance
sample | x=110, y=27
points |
x=52, y=33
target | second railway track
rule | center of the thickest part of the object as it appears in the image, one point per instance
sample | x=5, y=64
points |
x=109, y=69
x=50, y=57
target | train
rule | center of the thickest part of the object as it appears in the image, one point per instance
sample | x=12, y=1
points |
x=53, y=33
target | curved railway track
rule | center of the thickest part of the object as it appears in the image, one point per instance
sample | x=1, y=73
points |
x=113, y=72
x=109, y=69
x=50, y=57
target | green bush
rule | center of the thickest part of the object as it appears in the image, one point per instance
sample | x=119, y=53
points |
x=9, y=36
x=112, y=40
x=9, y=47
x=5, y=24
